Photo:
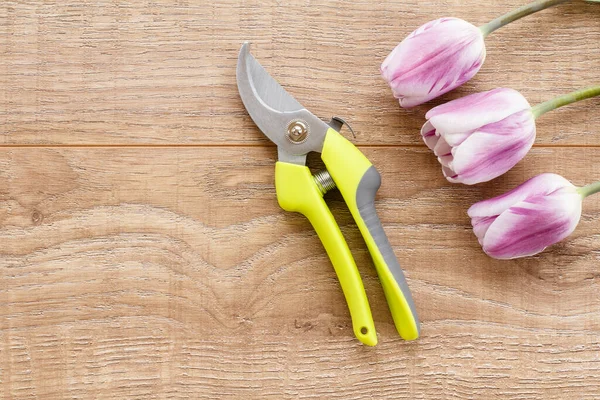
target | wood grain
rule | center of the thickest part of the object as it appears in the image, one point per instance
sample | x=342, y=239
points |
x=150, y=71
x=181, y=278
x=142, y=251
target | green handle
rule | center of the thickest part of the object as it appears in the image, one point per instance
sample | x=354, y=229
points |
x=358, y=181
x=298, y=192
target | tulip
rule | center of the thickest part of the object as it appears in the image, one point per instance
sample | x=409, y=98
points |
x=479, y=137
x=442, y=55
x=523, y=222
x=436, y=58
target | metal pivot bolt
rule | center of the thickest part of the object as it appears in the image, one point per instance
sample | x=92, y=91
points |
x=297, y=131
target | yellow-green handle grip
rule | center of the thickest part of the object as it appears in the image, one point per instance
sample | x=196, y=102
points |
x=298, y=192
x=358, y=181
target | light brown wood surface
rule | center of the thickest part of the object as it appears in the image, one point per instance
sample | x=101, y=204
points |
x=142, y=251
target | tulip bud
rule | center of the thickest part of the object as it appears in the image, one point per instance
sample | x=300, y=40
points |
x=481, y=136
x=529, y=218
x=443, y=54
x=436, y=58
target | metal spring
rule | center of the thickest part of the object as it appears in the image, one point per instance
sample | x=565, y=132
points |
x=324, y=181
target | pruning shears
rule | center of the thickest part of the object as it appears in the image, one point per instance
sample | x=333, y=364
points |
x=296, y=132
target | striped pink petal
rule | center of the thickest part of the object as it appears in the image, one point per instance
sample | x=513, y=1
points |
x=456, y=119
x=528, y=227
x=494, y=149
x=540, y=185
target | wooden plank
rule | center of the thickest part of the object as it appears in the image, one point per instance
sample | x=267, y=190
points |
x=156, y=358
x=144, y=72
x=172, y=273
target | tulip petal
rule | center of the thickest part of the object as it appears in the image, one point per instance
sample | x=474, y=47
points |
x=429, y=135
x=456, y=119
x=446, y=161
x=494, y=149
x=449, y=174
x=439, y=76
x=543, y=184
x=442, y=148
x=481, y=225
x=531, y=225
x=426, y=44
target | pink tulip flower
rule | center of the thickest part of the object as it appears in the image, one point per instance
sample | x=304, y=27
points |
x=443, y=54
x=529, y=218
x=436, y=58
x=481, y=136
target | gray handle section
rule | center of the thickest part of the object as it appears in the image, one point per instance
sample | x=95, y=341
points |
x=365, y=201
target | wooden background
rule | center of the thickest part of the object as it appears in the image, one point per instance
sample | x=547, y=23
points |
x=142, y=251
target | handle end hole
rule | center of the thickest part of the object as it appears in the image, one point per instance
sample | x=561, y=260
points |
x=364, y=330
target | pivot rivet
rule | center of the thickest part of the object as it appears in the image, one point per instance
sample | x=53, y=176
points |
x=297, y=131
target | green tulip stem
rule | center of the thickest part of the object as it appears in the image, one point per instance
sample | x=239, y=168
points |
x=587, y=190
x=516, y=14
x=565, y=99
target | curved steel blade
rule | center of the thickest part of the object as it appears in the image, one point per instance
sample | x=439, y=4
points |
x=273, y=109
x=267, y=89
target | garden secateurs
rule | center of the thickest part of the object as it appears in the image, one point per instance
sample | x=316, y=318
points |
x=296, y=132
